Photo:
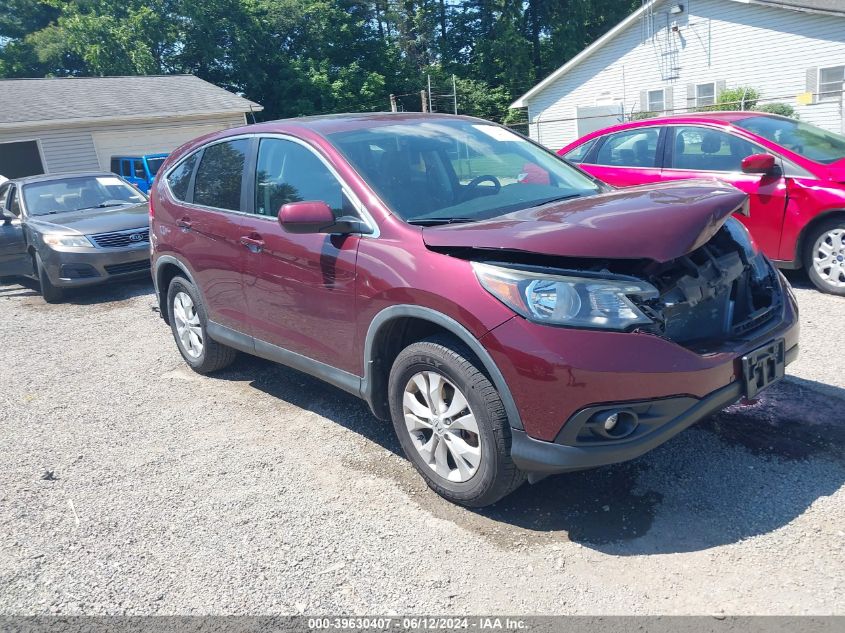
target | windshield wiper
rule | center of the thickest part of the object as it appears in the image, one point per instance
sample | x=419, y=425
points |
x=438, y=221
x=560, y=199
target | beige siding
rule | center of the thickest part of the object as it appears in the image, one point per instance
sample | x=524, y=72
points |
x=71, y=148
x=767, y=48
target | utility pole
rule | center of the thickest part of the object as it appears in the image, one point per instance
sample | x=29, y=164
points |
x=429, y=94
x=393, y=103
x=424, y=101
x=455, y=93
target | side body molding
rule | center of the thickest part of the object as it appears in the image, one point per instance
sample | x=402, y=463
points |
x=448, y=323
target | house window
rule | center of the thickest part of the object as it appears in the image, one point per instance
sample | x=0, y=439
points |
x=19, y=159
x=831, y=82
x=656, y=101
x=705, y=94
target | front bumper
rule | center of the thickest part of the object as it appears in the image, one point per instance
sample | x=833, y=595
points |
x=74, y=267
x=670, y=417
x=557, y=376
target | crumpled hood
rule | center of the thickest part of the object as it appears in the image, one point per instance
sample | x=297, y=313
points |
x=657, y=221
x=92, y=221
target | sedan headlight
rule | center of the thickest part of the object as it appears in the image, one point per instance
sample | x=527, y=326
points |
x=589, y=302
x=67, y=240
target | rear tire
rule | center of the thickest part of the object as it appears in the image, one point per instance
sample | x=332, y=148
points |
x=188, y=322
x=451, y=423
x=824, y=256
x=49, y=292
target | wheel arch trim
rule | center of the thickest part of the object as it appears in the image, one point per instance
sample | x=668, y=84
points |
x=451, y=325
x=803, y=235
x=161, y=293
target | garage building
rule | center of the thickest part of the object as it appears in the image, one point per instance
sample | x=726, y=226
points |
x=79, y=123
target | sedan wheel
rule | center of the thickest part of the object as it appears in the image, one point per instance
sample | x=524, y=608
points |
x=442, y=427
x=829, y=257
x=187, y=323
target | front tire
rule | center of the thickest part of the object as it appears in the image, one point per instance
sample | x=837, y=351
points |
x=824, y=256
x=49, y=292
x=451, y=423
x=188, y=322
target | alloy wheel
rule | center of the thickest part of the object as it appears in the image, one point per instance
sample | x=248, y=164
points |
x=187, y=323
x=829, y=257
x=442, y=427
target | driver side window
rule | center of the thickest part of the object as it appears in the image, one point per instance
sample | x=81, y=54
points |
x=288, y=172
x=4, y=193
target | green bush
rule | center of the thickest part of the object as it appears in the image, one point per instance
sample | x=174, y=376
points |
x=741, y=98
x=783, y=109
x=639, y=116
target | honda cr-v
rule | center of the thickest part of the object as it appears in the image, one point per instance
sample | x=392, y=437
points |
x=512, y=316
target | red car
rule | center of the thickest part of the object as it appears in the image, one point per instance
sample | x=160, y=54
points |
x=512, y=316
x=793, y=173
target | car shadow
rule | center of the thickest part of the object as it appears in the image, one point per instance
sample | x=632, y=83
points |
x=799, y=279
x=89, y=295
x=744, y=472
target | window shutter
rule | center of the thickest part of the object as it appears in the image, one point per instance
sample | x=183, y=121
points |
x=719, y=89
x=690, y=96
x=668, y=105
x=812, y=84
x=643, y=100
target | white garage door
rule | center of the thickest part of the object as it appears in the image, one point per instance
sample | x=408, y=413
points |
x=146, y=140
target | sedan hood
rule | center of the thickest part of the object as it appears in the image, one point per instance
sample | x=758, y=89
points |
x=657, y=221
x=92, y=221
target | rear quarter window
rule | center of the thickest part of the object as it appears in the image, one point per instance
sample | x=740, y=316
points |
x=579, y=154
x=180, y=178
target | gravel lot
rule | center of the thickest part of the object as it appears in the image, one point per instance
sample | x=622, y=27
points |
x=131, y=485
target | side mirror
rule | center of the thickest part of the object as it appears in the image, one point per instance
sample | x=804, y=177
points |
x=315, y=216
x=7, y=216
x=759, y=164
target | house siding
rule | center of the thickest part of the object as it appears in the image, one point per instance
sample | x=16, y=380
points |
x=767, y=48
x=71, y=148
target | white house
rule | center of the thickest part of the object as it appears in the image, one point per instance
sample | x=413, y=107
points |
x=676, y=55
x=73, y=124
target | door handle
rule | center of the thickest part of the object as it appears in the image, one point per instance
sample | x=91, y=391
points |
x=184, y=224
x=254, y=244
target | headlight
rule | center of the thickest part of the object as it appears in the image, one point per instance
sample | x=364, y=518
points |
x=67, y=240
x=590, y=302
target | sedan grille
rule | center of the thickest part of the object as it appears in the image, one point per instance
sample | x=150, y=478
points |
x=122, y=239
x=129, y=267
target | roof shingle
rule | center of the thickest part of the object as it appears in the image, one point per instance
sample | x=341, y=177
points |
x=43, y=100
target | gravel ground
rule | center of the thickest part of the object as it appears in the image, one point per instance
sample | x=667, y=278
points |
x=133, y=486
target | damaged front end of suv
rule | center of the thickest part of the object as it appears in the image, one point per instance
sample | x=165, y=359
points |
x=646, y=312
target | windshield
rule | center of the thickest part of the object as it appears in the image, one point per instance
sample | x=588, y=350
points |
x=458, y=171
x=76, y=194
x=154, y=164
x=804, y=139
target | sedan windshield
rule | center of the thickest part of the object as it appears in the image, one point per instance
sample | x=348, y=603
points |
x=804, y=139
x=444, y=171
x=77, y=194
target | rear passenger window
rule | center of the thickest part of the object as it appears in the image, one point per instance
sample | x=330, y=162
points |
x=702, y=149
x=115, y=165
x=220, y=175
x=288, y=172
x=138, y=168
x=631, y=148
x=180, y=178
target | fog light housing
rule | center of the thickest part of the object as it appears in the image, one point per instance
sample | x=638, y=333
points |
x=614, y=424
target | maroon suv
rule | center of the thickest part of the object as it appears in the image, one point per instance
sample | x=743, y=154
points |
x=513, y=316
